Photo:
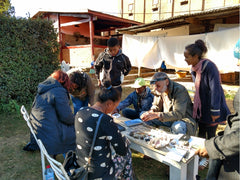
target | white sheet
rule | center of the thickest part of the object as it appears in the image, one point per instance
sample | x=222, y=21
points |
x=145, y=51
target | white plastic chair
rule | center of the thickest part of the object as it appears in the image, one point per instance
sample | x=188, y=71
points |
x=56, y=166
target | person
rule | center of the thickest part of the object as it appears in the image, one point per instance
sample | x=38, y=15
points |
x=51, y=116
x=92, y=70
x=172, y=106
x=112, y=65
x=82, y=89
x=103, y=163
x=224, y=148
x=210, y=106
x=141, y=99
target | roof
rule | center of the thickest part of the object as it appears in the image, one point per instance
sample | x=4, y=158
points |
x=184, y=19
x=101, y=18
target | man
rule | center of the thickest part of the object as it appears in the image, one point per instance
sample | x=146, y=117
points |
x=224, y=148
x=112, y=65
x=172, y=106
x=141, y=99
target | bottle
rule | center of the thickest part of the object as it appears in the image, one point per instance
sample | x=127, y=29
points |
x=49, y=174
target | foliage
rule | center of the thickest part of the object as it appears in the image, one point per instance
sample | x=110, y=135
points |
x=6, y=8
x=29, y=54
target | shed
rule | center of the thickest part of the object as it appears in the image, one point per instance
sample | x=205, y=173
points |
x=83, y=34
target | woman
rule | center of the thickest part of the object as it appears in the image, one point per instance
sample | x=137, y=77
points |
x=210, y=106
x=104, y=164
x=52, y=117
x=82, y=89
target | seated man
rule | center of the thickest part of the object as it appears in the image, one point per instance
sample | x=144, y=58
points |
x=172, y=106
x=141, y=99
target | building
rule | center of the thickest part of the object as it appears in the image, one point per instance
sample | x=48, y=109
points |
x=147, y=11
x=83, y=34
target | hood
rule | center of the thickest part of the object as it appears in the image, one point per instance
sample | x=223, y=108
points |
x=118, y=54
x=48, y=84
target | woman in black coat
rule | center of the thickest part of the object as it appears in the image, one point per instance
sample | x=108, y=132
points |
x=51, y=116
x=111, y=157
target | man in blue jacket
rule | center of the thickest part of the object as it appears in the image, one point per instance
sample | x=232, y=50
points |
x=141, y=99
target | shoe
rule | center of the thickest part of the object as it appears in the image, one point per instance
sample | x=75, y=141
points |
x=203, y=163
x=30, y=147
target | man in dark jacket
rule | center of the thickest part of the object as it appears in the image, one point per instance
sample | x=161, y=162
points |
x=112, y=65
x=224, y=148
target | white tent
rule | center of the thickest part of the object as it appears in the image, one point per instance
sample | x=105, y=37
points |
x=150, y=51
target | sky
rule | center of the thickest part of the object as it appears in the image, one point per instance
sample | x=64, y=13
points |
x=24, y=8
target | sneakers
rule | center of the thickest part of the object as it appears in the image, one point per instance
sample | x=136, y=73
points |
x=203, y=163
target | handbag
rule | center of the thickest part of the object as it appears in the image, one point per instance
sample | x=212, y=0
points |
x=74, y=171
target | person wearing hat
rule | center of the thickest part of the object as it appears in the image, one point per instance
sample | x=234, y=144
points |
x=172, y=106
x=141, y=99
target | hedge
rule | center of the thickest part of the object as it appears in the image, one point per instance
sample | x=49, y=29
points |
x=28, y=54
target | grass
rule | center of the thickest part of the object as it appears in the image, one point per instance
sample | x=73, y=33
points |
x=17, y=164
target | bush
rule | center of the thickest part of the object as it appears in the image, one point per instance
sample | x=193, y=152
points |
x=29, y=54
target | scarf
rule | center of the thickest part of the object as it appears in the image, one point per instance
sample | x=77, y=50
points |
x=197, y=101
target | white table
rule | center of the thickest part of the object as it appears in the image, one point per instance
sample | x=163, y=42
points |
x=187, y=169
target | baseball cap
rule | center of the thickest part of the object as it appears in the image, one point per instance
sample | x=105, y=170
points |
x=139, y=82
x=159, y=76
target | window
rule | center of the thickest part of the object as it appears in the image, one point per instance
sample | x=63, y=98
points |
x=155, y=2
x=184, y=3
x=130, y=7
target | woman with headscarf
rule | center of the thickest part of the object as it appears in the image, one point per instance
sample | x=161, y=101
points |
x=51, y=116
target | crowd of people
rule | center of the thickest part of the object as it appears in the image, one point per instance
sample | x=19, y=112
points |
x=63, y=127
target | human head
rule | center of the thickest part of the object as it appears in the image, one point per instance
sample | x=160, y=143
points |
x=160, y=81
x=113, y=46
x=78, y=80
x=62, y=78
x=194, y=52
x=139, y=85
x=109, y=96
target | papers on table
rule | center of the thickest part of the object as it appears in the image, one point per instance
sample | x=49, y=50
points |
x=133, y=122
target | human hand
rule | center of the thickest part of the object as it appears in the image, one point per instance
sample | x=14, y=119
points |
x=115, y=111
x=99, y=82
x=214, y=118
x=147, y=116
x=202, y=151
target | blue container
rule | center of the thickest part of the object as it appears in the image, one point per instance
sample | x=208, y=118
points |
x=49, y=174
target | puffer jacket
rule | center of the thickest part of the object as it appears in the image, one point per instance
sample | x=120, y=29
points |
x=146, y=101
x=112, y=67
x=52, y=118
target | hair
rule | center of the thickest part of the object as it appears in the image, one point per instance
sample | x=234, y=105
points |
x=108, y=93
x=198, y=48
x=78, y=78
x=160, y=75
x=112, y=42
x=62, y=78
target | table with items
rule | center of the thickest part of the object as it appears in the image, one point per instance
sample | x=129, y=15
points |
x=176, y=151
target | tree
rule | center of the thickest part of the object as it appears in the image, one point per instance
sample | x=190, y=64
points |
x=6, y=8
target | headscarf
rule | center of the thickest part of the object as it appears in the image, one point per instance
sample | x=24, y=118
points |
x=62, y=78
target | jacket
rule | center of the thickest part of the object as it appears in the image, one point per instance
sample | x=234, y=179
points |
x=211, y=94
x=146, y=101
x=180, y=107
x=108, y=136
x=113, y=68
x=87, y=91
x=52, y=118
x=226, y=148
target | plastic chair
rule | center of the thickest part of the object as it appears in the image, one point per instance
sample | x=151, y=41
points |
x=56, y=166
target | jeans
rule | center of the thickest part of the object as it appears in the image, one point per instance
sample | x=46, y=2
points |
x=77, y=103
x=177, y=127
x=205, y=131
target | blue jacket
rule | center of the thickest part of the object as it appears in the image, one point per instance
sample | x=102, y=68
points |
x=211, y=94
x=146, y=102
x=52, y=118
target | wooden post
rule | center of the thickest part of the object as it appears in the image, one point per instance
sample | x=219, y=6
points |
x=91, y=29
x=139, y=71
x=60, y=38
x=144, y=10
x=172, y=8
